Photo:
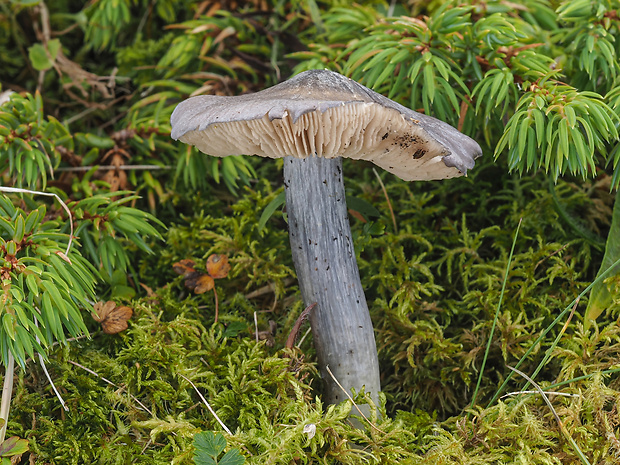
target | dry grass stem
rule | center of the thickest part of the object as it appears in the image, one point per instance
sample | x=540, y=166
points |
x=387, y=199
x=49, y=379
x=555, y=415
x=256, y=326
x=7, y=393
x=303, y=338
x=111, y=384
x=346, y=393
x=207, y=404
x=551, y=393
x=73, y=169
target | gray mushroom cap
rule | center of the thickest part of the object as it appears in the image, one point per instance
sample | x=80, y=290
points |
x=322, y=113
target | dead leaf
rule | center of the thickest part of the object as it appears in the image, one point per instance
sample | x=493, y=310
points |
x=113, y=319
x=149, y=291
x=218, y=266
x=184, y=267
x=116, y=178
x=64, y=257
x=268, y=336
x=199, y=282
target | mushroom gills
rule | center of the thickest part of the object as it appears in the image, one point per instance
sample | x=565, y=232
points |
x=364, y=131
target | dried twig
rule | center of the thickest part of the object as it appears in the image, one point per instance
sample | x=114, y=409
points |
x=290, y=341
x=217, y=306
x=550, y=255
x=267, y=289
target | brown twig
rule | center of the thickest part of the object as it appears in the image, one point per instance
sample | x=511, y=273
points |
x=217, y=306
x=290, y=340
x=267, y=289
x=550, y=255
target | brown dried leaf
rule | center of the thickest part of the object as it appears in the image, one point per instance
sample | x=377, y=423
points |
x=225, y=33
x=218, y=266
x=184, y=267
x=149, y=290
x=113, y=319
x=199, y=282
x=101, y=310
x=267, y=337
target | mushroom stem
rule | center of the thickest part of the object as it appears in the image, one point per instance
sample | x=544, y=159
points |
x=324, y=258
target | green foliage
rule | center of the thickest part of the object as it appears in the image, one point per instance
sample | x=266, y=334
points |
x=601, y=297
x=28, y=150
x=432, y=321
x=12, y=447
x=43, y=283
x=539, y=83
x=415, y=62
x=590, y=32
x=43, y=58
x=535, y=82
x=210, y=446
x=566, y=127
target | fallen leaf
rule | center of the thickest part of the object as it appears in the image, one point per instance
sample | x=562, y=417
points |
x=199, y=282
x=218, y=266
x=113, y=319
x=149, y=290
x=184, y=267
x=268, y=335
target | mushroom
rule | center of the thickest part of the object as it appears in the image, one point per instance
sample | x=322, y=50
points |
x=313, y=120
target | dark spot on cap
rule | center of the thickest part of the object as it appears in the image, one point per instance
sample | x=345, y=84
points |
x=419, y=153
x=407, y=140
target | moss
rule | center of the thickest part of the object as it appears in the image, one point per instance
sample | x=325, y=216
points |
x=434, y=287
